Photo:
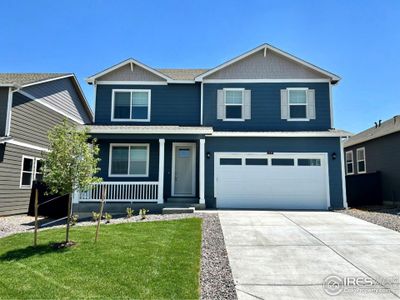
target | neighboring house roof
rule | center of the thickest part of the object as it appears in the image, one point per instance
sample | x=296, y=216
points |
x=192, y=75
x=266, y=47
x=387, y=127
x=182, y=74
x=22, y=80
x=133, y=129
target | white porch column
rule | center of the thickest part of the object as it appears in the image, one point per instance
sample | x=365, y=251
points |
x=161, y=171
x=201, y=171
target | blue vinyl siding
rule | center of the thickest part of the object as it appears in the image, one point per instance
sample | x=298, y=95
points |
x=266, y=108
x=172, y=104
x=322, y=145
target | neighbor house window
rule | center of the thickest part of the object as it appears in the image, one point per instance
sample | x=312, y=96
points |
x=361, y=168
x=297, y=100
x=129, y=160
x=349, y=163
x=31, y=170
x=233, y=100
x=131, y=105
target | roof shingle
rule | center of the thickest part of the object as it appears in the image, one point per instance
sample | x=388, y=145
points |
x=21, y=79
x=182, y=74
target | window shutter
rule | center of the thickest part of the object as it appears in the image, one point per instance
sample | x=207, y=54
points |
x=220, y=105
x=247, y=105
x=311, y=104
x=284, y=105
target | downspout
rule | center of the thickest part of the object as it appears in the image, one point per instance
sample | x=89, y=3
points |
x=201, y=103
x=345, y=205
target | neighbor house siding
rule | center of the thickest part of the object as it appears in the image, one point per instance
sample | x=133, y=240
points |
x=3, y=110
x=321, y=145
x=13, y=199
x=266, y=108
x=31, y=121
x=62, y=95
x=172, y=104
x=383, y=155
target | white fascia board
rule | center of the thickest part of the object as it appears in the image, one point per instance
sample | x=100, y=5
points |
x=280, y=134
x=132, y=82
x=142, y=130
x=26, y=145
x=284, y=80
x=92, y=78
x=269, y=47
x=50, y=106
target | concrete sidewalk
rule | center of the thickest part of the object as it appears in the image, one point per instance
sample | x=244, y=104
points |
x=288, y=255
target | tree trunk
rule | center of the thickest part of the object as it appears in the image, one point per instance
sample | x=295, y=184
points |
x=68, y=217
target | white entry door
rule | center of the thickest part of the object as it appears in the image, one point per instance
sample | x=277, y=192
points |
x=184, y=169
x=277, y=181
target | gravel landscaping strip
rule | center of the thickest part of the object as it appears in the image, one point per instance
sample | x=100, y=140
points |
x=386, y=217
x=216, y=278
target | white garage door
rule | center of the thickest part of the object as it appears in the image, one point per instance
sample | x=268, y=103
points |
x=275, y=181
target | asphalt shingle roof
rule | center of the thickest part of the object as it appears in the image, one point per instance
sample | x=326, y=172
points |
x=182, y=74
x=387, y=127
x=26, y=78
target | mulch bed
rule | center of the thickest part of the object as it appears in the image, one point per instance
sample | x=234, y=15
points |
x=384, y=216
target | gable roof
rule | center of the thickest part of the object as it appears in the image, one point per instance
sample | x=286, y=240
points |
x=92, y=78
x=387, y=127
x=266, y=47
x=23, y=79
x=182, y=74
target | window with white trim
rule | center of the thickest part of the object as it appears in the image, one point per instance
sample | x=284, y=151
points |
x=129, y=160
x=361, y=167
x=131, y=105
x=349, y=163
x=233, y=100
x=31, y=169
x=297, y=101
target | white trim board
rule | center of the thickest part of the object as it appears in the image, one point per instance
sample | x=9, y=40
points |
x=344, y=170
x=266, y=47
x=9, y=110
x=283, y=80
x=131, y=82
x=27, y=145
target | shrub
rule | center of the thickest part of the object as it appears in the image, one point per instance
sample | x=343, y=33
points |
x=74, y=219
x=142, y=213
x=129, y=212
x=108, y=217
x=95, y=216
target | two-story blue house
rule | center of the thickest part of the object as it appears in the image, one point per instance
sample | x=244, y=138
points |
x=254, y=132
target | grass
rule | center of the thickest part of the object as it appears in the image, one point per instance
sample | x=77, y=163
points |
x=149, y=260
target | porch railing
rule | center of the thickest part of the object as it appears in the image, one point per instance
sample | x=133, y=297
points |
x=121, y=192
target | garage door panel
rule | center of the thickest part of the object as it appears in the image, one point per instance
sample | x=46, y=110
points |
x=275, y=187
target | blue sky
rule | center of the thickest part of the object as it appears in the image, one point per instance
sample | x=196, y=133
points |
x=359, y=40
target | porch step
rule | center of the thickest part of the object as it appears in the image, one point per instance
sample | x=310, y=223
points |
x=177, y=210
x=182, y=200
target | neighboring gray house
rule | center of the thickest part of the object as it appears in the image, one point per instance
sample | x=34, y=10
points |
x=254, y=132
x=30, y=105
x=377, y=149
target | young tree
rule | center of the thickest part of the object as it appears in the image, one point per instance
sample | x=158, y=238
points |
x=71, y=163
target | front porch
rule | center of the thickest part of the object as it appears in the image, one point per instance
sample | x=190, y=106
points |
x=174, y=177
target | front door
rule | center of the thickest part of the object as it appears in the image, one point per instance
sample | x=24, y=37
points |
x=183, y=169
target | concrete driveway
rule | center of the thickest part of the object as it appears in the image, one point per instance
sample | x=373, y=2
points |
x=288, y=255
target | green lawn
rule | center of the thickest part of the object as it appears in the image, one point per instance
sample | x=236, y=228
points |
x=135, y=260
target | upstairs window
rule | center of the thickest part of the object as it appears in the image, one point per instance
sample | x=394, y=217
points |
x=297, y=99
x=349, y=163
x=233, y=99
x=361, y=168
x=131, y=105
